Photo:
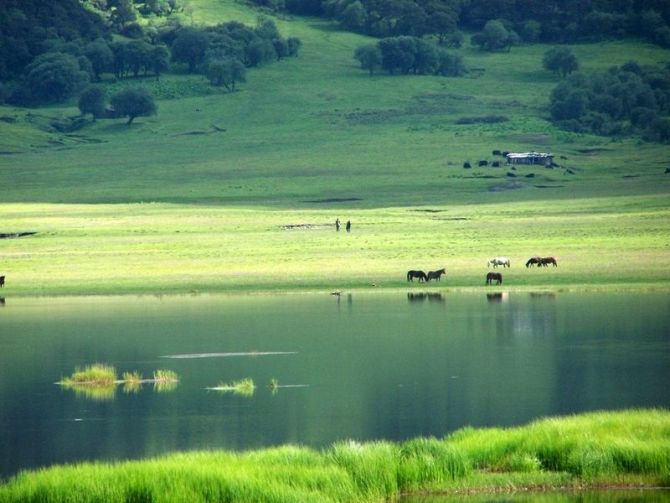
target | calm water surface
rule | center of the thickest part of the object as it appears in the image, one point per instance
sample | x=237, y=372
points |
x=362, y=366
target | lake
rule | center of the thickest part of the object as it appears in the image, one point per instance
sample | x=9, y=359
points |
x=362, y=366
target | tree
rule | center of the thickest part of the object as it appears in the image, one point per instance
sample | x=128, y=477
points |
x=369, y=56
x=133, y=102
x=190, y=47
x=100, y=56
x=495, y=37
x=560, y=60
x=226, y=72
x=159, y=59
x=53, y=77
x=92, y=101
x=294, y=44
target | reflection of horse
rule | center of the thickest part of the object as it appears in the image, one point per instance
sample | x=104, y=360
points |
x=421, y=296
x=533, y=261
x=2, y=301
x=435, y=274
x=494, y=276
x=416, y=274
x=494, y=297
x=548, y=260
x=496, y=261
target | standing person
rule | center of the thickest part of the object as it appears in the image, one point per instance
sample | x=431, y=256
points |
x=348, y=225
x=337, y=225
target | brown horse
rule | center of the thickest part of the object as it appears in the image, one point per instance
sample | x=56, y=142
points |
x=416, y=274
x=2, y=281
x=494, y=276
x=534, y=261
x=548, y=260
x=435, y=274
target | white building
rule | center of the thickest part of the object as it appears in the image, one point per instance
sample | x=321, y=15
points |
x=530, y=158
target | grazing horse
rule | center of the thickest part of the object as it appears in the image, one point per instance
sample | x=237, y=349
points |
x=416, y=274
x=2, y=281
x=494, y=276
x=548, y=260
x=435, y=274
x=533, y=261
x=496, y=261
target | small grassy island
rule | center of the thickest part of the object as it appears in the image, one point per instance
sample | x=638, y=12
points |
x=594, y=450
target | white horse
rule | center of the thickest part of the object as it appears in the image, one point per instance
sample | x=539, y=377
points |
x=496, y=261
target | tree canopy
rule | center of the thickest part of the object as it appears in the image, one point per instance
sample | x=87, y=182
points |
x=560, y=60
x=133, y=102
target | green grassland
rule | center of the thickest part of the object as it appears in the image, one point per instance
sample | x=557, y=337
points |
x=602, y=449
x=195, y=198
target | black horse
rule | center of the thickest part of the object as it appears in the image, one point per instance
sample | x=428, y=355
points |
x=2, y=281
x=494, y=276
x=416, y=274
x=435, y=274
x=533, y=261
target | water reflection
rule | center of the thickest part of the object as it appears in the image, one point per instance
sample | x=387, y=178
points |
x=2, y=301
x=415, y=297
x=396, y=367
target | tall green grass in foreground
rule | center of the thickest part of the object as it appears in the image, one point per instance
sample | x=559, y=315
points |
x=629, y=448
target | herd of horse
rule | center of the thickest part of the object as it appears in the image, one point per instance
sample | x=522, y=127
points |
x=491, y=277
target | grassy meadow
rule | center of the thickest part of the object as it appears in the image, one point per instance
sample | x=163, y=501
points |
x=195, y=198
x=602, y=449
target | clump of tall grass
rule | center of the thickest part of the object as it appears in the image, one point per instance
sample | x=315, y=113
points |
x=96, y=374
x=243, y=387
x=163, y=375
x=631, y=447
x=132, y=381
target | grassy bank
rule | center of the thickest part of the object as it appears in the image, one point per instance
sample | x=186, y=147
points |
x=610, y=242
x=629, y=448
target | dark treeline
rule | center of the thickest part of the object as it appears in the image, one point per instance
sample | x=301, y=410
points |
x=51, y=51
x=630, y=99
x=562, y=21
x=407, y=55
x=28, y=27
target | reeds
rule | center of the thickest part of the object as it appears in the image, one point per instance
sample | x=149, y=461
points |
x=592, y=450
x=98, y=381
x=97, y=374
x=243, y=387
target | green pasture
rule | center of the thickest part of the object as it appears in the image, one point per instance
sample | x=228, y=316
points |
x=627, y=448
x=164, y=248
x=194, y=199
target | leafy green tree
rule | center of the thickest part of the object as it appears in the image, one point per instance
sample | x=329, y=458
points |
x=159, y=60
x=92, y=101
x=294, y=45
x=398, y=54
x=53, y=77
x=353, y=16
x=227, y=73
x=449, y=64
x=259, y=51
x=369, y=56
x=560, y=60
x=133, y=102
x=100, y=56
x=137, y=56
x=190, y=47
x=495, y=37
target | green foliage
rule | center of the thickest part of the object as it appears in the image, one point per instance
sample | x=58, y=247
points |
x=133, y=102
x=227, y=72
x=190, y=47
x=624, y=100
x=369, y=56
x=495, y=37
x=51, y=78
x=560, y=60
x=93, y=101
